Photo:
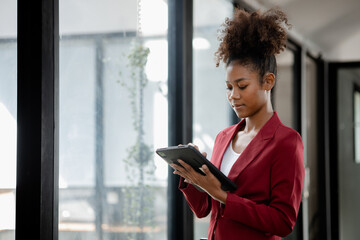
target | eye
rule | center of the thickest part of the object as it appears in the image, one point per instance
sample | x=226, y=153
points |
x=243, y=87
x=228, y=87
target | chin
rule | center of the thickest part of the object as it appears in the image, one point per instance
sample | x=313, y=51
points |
x=241, y=114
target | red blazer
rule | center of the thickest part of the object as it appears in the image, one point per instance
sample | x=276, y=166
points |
x=269, y=174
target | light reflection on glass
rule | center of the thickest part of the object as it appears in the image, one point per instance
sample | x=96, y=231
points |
x=210, y=106
x=357, y=125
x=112, y=187
x=8, y=117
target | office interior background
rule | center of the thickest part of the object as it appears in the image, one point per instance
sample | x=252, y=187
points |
x=88, y=90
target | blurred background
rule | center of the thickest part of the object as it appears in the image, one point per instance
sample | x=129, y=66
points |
x=116, y=76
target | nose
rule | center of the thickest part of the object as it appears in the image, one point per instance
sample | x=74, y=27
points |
x=234, y=94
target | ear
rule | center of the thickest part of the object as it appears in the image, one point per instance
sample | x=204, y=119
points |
x=269, y=81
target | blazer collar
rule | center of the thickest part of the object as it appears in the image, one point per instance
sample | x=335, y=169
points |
x=253, y=148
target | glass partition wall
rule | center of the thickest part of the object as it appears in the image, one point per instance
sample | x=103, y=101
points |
x=113, y=114
x=283, y=92
x=284, y=99
x=8, y=116
x=211, y=111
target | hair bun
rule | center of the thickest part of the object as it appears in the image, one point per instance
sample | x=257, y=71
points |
x=252, y=35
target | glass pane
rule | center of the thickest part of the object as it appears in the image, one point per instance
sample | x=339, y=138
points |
x=113, y=114
x=211, y=111
x=282, y=94
x=8, y=117
x=312, y=160
x=357, y=124
x=348, y=170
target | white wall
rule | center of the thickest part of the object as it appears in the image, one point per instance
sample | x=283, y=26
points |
x=348, y=50
x=8, y=18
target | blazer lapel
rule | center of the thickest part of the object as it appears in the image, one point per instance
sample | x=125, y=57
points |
x=225, y=141
x=256, y=145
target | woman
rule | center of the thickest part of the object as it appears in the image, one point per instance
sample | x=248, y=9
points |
x=263, y=157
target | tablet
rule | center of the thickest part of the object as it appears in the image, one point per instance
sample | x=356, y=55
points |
x=194, y=158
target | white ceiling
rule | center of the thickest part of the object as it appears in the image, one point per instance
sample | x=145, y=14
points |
x=331, y=27
x=325, y=23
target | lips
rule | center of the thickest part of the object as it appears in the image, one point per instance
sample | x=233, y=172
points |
x=238, y=106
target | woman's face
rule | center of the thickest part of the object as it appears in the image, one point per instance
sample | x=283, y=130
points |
x=245, y=93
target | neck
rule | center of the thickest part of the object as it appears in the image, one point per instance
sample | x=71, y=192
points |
x=256, y=121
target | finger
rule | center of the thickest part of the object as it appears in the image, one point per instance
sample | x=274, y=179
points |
x=196, y=147
x=204, y=154
x=176, y=172
x=200, y=168
x=179, y=170
x=185, y=165
x=188, y=181
x=205, y=169
x=176, y=166
x=186, y=178
x=187, y=171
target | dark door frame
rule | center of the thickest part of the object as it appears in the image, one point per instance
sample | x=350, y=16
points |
x=331, y=145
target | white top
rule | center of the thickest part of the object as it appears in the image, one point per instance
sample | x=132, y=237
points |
x=229, y=159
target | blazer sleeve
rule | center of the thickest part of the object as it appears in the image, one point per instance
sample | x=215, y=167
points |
x=199, y=202
x=287, y=176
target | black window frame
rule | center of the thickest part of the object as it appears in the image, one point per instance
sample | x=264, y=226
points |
x=180, y=34
x=37, y=119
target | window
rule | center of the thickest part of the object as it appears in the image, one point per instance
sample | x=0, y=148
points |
x=283, y=92
x=313, y=163
x=283, y=96
x=113, y=114
x=357, y=124
x=211, y=111
x=8, y=116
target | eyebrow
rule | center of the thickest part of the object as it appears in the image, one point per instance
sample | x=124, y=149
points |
x=238, y=80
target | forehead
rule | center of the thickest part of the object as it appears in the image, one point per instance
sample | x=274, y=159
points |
x=235, y=71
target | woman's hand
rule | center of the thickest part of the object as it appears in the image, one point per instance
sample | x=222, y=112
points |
x=209, y=183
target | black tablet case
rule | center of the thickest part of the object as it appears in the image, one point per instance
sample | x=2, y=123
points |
x=194, y=158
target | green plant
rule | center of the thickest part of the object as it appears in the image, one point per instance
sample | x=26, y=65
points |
x=138, y=163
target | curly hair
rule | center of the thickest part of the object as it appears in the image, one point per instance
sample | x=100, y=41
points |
x=253, y=39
